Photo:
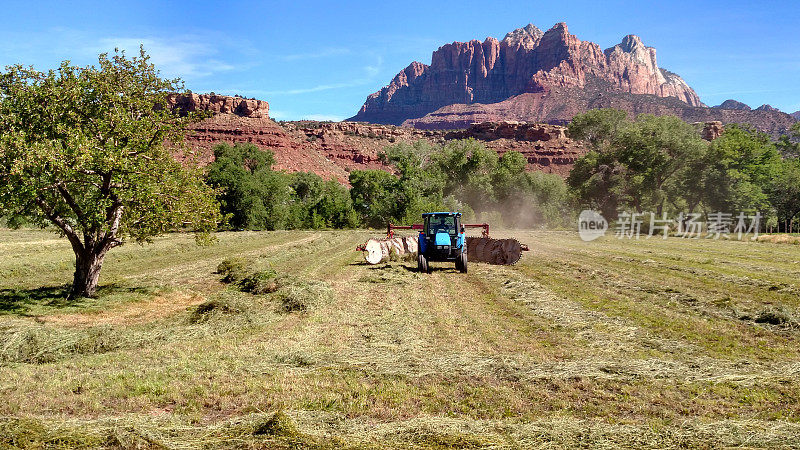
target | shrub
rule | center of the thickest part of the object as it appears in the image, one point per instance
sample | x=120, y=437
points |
x=234, y=270
x=209, y=308
x=260, y=282
x=278, y=425
x=776, y=316
x=304, y=295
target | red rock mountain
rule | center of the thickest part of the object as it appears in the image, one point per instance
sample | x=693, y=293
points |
x=525, y=61
x=545, y=77
x=332, y=149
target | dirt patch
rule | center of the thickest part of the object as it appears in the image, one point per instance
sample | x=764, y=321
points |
x=130, y=313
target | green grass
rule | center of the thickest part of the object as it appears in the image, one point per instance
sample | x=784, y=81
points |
x=655, y=343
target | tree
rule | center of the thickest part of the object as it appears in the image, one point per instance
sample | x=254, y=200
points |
x=375, y=196
x=788, y=144
x=84, y=149
x=598, y=127
x=653, y=151
x=639, y=164
x=320, y=204
x=784, y=191
x=739, y=168
x=596, y=179
x=252, y=195
x=467, y=168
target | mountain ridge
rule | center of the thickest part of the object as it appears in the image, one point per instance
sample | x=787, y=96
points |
x=549, y=76
x=527, y=60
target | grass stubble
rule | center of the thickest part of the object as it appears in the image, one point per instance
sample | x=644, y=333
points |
x=286, y=339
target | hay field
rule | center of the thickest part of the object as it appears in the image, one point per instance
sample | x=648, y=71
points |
x=613, y=343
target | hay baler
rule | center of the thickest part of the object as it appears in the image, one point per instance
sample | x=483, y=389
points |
x=442, y=237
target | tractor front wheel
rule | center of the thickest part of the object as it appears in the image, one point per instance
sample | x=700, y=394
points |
x=422, y=263
x=461, y=263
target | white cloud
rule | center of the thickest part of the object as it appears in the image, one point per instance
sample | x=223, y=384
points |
x=324, y=53
x=317, y=88
x=186, y=57
x=373, y=70
x=279, y=114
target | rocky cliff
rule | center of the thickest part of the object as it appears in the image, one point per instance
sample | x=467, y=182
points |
x=525, y=61
x=333, y=149
x=219, y=104
x=559, y=105
x=796, y=115
x=537, y=76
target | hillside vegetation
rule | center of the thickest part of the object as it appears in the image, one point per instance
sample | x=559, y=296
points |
x=660, y=343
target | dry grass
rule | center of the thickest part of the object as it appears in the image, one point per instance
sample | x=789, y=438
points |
x=779, y=239
x=676, y=343
x=144, y=311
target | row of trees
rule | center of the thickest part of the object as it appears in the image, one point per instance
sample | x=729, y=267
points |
x=459, y=176
x=253, y=196
x=661, y=165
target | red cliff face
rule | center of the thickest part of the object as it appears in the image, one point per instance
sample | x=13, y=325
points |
x=219, y=104
x=525, y=61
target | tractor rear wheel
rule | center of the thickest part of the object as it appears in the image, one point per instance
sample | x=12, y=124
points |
x=422, y=263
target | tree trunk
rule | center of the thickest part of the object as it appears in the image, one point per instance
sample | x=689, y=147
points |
x=87, y=274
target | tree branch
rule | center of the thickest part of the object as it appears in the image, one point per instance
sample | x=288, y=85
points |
x=72, y=204
x=77, y=245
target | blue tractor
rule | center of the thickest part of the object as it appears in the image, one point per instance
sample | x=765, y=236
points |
x=442, y=239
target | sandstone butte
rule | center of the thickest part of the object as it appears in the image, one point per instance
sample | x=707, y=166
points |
x=332, y=149
x=536, y=76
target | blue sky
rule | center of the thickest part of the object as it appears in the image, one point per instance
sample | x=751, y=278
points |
x=319, y=60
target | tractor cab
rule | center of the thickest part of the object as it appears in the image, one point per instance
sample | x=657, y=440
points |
x=442, y=239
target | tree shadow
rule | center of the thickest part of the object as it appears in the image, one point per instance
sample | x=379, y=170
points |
x=20, y=301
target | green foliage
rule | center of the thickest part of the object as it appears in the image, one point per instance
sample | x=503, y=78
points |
x=784, y=190
x=659, y=164
x=234, y=270
x=788, y=144
x=633, y=164
x=79, y=142
x=83, y=148
x=251, y=194
x=376, y=197
x=740, y=165
x=255, y=197
x=460, y=176
x=598, y=127
x=320, y=204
